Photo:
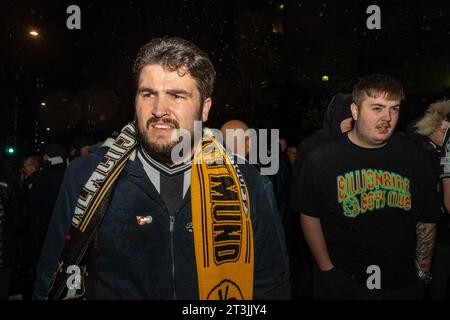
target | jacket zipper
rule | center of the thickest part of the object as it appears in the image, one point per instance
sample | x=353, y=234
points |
x=171, y=229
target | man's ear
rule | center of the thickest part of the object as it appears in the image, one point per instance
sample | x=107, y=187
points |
x=206, y=107
x=355, y=111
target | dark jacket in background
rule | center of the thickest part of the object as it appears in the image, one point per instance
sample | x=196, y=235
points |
x=27, y=185
x=11, y=215
x=435, y=153
x=338, y=110
x=43, y=196
x=281, y=182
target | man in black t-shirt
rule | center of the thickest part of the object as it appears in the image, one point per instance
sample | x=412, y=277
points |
x=368, y=204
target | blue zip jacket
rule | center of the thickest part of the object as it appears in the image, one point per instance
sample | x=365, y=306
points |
x=151, y=261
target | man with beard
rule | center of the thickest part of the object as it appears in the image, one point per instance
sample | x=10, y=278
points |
x=143, y=222
x=368, y=204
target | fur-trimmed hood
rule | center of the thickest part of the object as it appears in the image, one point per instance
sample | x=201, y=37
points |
x=433, y=117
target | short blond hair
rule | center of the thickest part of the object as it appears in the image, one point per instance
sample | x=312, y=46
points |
x=433, y=117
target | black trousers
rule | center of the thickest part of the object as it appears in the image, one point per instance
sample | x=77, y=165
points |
x=338, y=285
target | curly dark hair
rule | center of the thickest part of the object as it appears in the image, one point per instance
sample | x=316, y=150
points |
x=174, y=54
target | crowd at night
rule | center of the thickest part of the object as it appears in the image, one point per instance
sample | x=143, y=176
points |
x=225, y=150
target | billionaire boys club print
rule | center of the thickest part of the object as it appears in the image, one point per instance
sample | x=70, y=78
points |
x=362, y=191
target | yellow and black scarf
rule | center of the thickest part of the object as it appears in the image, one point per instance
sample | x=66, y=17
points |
x=223, y=235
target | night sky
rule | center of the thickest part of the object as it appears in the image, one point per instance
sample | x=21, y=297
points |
x=270, y=58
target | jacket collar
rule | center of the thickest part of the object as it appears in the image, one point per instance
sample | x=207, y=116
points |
x=135, y=173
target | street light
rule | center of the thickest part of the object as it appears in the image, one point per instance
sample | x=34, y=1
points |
x=34, y=33
x=10, y=147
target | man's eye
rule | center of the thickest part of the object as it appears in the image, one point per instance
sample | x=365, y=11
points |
x=177, y=96
x=396, y=109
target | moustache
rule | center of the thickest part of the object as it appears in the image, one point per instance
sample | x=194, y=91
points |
x=163, y=120
x=383, y=125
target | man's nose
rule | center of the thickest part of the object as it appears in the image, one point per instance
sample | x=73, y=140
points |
x=160, y=107
x=387, y=115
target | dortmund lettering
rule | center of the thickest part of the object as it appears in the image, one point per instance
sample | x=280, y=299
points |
x=226, y=212
x=220, y=186
x=227, y=232
x=226, y=253
x=226, y=215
